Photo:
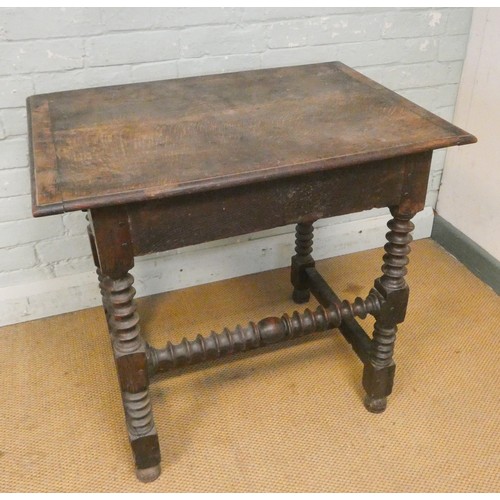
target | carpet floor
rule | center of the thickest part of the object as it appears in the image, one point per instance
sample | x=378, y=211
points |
x=288, y=419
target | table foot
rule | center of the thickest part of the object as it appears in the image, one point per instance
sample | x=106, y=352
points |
x=148, y=475
x=301, y=296
x=375, y=405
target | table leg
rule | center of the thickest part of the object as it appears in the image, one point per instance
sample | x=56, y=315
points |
x=378, y=375
x=129, y=347
x=97, y=265
x=131, y=364
x=301, y=261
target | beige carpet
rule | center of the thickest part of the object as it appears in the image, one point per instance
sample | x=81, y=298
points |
x=285, y=420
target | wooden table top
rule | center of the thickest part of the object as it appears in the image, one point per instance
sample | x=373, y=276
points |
x=112, y=145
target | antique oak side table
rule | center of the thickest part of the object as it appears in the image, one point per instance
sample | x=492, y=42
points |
x=167, y=164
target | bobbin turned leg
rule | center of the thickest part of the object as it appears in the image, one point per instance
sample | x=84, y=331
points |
x=378, y=375
x=301, y=261
x=110, y=240
x=95, y=256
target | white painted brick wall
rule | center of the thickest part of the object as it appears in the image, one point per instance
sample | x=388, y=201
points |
x=41, y=56
x=416, y=52
x=19, y=257
x=18, y=232
x=132, y=48
x=14, y=152
x=14, y=182
x=14, y=90
x=15, y=208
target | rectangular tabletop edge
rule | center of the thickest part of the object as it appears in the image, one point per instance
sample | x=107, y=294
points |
x=207, y=76
x=44, y=162
x=410, y=105
x=42, y=154
x=216, y=183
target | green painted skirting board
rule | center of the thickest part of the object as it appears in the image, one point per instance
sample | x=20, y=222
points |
x=469, y=253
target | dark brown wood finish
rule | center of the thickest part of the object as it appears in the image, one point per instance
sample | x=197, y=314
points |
x=350, y=329
x=110, y=145
x=266, y=332
x=245, y=209
x=164, y=165
x=301, y=261
x=378, y=375
x=112, y=249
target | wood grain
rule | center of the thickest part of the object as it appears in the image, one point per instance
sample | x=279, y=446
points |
x=188, y=220
x=119, y=144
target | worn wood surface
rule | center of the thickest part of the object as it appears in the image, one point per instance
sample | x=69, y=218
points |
x=267, y=331
x=188, y=220
x=301, y=261
x=112, y=145
x=168, y=164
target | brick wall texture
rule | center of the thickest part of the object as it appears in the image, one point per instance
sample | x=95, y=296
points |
x=416, y=52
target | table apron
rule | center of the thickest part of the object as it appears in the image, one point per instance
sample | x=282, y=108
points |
x=181, y=221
